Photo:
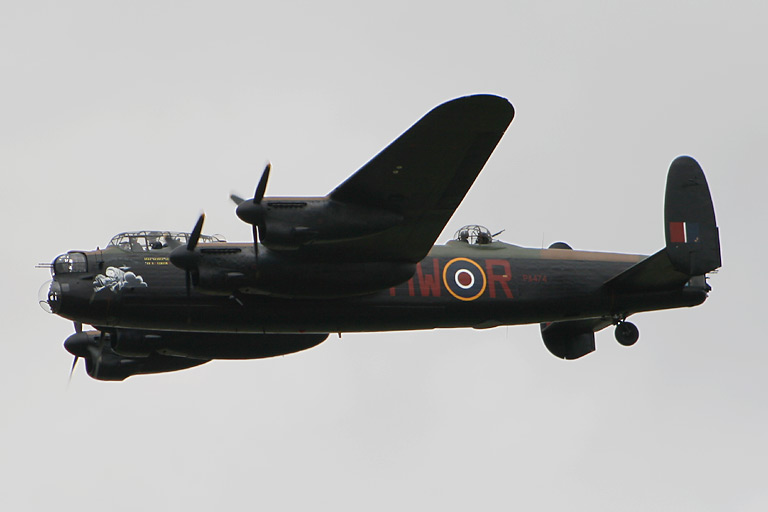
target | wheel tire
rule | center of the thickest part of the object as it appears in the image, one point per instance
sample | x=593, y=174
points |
x=627, y=333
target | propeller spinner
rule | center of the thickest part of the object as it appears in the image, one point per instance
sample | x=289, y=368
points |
x=82, y=345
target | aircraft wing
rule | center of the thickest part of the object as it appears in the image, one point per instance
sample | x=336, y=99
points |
x=423, y=176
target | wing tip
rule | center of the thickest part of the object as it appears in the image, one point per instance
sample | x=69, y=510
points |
x=486, y=110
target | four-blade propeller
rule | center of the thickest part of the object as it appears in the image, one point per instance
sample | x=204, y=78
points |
x=78, y=330
x=253, y=211
x=82, y=345
x=184, y=256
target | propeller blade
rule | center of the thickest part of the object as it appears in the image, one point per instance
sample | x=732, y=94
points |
x=78, y=330
x=195, y=236
x=172, y=242
x=185, y=257
x=261, y=189
x=236, y=199
x=96, y=357
x=72, y=370
x=252, y=211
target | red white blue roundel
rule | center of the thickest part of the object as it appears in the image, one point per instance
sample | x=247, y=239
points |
x=464, y=279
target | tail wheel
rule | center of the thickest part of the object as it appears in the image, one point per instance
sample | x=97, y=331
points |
x=627, y=333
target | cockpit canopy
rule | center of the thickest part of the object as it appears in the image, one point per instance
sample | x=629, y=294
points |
x=142, y=241
x=474, y=235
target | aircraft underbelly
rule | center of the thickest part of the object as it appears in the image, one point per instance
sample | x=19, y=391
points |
x=320, y=317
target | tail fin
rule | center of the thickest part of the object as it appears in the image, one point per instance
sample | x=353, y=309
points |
x=693, y=241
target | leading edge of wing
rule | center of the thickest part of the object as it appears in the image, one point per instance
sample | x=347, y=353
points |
x=425, y=173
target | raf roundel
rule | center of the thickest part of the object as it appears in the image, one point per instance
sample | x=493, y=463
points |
x=464, y=279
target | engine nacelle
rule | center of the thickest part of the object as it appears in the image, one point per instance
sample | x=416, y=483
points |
x=116, y=367
x=103, y=363
x=298, y=279
x=119, y=353
x=219, y=281
x=288, y=223
x=210, y=345
x=326, y=280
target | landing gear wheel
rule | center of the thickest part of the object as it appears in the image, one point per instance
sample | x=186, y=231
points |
x=627, y=333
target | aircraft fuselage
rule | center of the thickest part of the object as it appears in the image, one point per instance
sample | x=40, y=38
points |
x=456, y=285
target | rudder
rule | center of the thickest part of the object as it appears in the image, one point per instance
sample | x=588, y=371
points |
x=693, y=241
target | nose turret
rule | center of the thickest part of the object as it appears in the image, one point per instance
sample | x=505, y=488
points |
x=49, y=296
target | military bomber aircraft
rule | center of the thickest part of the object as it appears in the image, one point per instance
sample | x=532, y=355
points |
x=362, y=259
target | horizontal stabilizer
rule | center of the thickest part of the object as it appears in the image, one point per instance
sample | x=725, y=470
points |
x=653, y=273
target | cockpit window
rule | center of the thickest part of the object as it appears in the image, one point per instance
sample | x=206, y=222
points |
x=70, y=263
x=143, y=241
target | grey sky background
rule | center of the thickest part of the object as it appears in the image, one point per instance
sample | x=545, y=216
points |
x=138, y=115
